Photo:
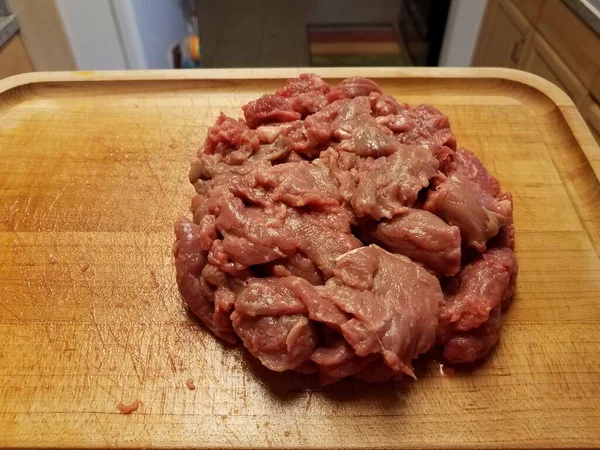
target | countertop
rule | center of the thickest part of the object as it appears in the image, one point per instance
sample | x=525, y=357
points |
x=588, y=11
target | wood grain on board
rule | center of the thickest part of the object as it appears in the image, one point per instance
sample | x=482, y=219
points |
x=93, y=173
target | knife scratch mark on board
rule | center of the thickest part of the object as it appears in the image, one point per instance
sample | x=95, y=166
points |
x=12, y=313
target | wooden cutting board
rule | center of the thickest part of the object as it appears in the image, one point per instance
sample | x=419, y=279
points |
x=93, y=173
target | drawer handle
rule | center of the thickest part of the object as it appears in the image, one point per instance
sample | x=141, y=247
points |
x=515, y=54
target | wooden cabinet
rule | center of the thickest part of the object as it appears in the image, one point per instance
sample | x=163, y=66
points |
x=542, y=60
x=576, y=43
x=595, y=91
x=590, y=110
x=530, y=8
x=14, y=58
x=504, y=36
x=547, y=38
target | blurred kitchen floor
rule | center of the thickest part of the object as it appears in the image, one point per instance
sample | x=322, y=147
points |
x=272, y=33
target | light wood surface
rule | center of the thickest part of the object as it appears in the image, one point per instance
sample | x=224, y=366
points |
x=13, y=58
x=93, y=173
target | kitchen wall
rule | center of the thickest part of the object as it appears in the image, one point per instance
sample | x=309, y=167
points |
x=462, y=30
x=100, y=34
x=152, y=28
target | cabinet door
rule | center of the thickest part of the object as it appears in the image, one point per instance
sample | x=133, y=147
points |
x=590, y=110
x=530, y=8
x=13, y=58
x=503, y=36
x=576, y=43
x=540, y=59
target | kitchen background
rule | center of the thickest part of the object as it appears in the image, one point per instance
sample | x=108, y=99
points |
x=556, y=39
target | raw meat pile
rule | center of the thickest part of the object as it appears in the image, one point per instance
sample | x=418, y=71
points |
x=336, y=231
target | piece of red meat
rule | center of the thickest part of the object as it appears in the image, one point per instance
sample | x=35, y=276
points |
x=370, y=141
x=424, y=238
x=197, y=292
x=467, y=164
x=470, y=319
x=469, y=346
x=506, y=235
x=269, y=108
x=300, y=184
x=412, y=125
x=388, y=186
x=232, y=139
x=479, y=287
x=393, y=305
x=305, y=83
x=385, y=105
x=250, y=234
x=461, y=202
x=298, y=265
x=322, y=236
x=309, y=103
x=353, y=87
x=352, y=115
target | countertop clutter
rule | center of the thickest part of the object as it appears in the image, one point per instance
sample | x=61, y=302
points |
x=556, y=39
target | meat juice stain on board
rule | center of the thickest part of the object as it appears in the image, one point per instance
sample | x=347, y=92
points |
x=328, y=157
x=129, y=408
x=190, y=384
x=153, y=280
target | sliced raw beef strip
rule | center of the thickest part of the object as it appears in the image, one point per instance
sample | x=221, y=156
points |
x=429, y=123
x=480, y=288
x=269, y=108
x=297, y=265
x=250, y=234
x=467, y=164
x=393, y=304
x=197, y=292
x=352, y=115
x=461, y=202
x=271, y=322
x=322, y=236
x=385, y=105
x=506, y=235
x=424, y=238
x=309, y=103
x=319, y=126
x=304, y=84
x=232, y=139
x=353, y=87
x=301, y=184
x=370, y=141
x=482, y=285
x=469, y=346
x=387, y=186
